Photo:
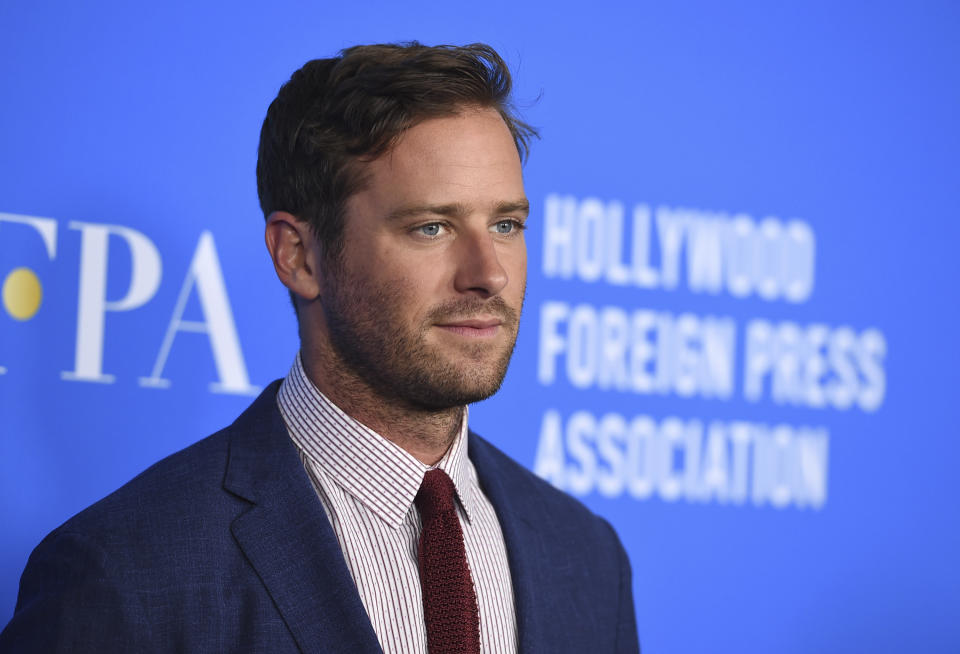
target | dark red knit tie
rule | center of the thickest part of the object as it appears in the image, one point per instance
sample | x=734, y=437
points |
x=449, y=601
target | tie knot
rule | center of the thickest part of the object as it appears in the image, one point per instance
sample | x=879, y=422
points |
x=435, y=494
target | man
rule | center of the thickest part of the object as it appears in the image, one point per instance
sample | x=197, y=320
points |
x=349, y=509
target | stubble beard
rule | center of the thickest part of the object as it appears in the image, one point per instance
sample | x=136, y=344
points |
x=374, y=345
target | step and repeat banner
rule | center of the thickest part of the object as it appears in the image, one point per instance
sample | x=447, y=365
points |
x=739, y=339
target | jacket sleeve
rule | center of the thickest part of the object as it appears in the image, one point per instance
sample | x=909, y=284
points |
x=71, y=601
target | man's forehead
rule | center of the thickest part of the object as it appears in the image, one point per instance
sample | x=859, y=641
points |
x=448, y=166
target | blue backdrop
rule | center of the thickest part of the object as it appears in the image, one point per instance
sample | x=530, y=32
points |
x=739, y=341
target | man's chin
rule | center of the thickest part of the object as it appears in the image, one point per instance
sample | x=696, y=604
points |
x=450, y=398
x=460, y=385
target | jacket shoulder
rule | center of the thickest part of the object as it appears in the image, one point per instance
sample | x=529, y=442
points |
x=533, y=496
x=178, y=502
x=186, y=479
x=133, y=571
x=564, y=559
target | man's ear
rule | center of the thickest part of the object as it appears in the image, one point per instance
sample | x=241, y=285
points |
x=292, y=247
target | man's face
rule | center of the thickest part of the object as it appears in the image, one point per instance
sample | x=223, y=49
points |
x=424, y=301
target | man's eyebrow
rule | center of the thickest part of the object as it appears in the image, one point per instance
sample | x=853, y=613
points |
x=456, y=210
x=452, y=210
x=517, y=206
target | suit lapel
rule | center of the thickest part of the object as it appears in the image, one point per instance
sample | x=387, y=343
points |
x=288, y=539
x=515, y=500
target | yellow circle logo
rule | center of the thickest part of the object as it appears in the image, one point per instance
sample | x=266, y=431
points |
x=22, y=293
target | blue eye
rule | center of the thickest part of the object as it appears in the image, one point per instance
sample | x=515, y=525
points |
x=430, y=230
x=507, y=226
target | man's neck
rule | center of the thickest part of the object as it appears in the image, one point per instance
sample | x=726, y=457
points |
x=425, y=433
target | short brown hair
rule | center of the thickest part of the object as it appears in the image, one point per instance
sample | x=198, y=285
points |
x=333, y=113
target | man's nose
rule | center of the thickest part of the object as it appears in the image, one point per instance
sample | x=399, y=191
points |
x=479, y=269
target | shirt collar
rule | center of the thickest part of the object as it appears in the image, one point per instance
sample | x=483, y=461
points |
x=378, y=473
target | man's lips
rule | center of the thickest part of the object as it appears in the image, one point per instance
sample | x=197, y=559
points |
x=472, y=327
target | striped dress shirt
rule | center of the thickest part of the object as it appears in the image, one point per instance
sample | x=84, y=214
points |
x=367, y=485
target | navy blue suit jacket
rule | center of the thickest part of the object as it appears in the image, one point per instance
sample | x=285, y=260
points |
x=224, y=547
